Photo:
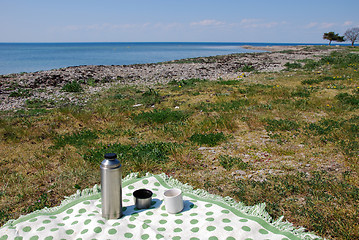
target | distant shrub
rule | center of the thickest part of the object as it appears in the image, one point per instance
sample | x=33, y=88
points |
x=340, y=59
x=247, y=68
x=294, y=65
x=91, y=82
x=311, y=64
x=21, y=93
x=73, y=86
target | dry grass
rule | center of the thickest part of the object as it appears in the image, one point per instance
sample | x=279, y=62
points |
x=287, y=143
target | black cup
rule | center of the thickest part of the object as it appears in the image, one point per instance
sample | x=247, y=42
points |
x=142, y=198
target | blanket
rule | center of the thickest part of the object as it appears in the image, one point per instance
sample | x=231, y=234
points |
x=205, y=216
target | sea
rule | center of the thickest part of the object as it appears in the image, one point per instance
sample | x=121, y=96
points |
x=33, y=57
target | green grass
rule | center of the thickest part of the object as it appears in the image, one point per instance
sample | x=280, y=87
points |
x=73, y=86
x=229, y=162
x=160, y=116
x=293, y=134
x=77, y=139
x=208, y=139
x=347, y=99
x=302, y=92
x=142, y=157
x=21, y=93
x=178, y=84
x=300, y=195
x=291, y=66
x=224, y=106
x=151, y=97
x=247, y=68
x=156, y=152
x=281, y=125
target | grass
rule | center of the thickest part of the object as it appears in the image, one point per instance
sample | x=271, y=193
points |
x=21, y=93
x=299, y=195
x=73, y=86
x=209, y=139
x=247, y=68
x=160, y=116
x=229, y=162
x=290, y=66
x=293, y=135
x=77, y=139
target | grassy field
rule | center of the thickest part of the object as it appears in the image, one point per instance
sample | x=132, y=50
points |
x=289, y=139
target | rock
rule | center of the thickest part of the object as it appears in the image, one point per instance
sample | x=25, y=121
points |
x=202, y=148
x=149, y=74
x=239, y=172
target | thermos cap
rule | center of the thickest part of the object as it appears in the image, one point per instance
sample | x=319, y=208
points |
x=110, y=161
x=110, y=156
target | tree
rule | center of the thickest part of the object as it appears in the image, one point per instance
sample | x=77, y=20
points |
x=331, y=36
x=352, y=35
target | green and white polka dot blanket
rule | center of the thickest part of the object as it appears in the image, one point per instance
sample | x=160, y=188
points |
x=205, y=216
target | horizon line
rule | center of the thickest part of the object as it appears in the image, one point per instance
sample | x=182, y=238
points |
x=305, y=43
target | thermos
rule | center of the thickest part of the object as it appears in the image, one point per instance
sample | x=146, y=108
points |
x=111, y=187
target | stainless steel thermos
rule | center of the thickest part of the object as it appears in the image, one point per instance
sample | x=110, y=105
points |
x=111, y=187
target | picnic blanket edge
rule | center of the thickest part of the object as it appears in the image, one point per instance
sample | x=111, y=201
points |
x=255, y=211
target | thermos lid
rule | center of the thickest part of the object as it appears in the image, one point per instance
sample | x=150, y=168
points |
x=110, y=161
x=110, y=156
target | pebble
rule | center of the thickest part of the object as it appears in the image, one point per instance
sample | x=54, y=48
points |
x=225, y=67
x=202, y=148
x=240, y=172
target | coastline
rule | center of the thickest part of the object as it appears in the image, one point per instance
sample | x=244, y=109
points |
x=47, y=85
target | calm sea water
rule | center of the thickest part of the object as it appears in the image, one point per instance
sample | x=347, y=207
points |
x=31, y=57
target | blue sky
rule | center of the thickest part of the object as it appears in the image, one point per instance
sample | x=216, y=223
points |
x=299, y=21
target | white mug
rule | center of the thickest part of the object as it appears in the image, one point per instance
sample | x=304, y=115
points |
x=173, y=200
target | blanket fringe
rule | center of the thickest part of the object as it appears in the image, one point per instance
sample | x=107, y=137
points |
x=256, y=210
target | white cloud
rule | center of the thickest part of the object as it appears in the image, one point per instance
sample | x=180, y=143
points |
x=311, y=25
x=105, y=27
x=207, y=22
x=320, y=25
x=259, y=23
x=124, y=26
x=327, y=25
x=348, y=23
x=167, y=26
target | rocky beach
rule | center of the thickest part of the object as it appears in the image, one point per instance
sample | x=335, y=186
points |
x=47, y=85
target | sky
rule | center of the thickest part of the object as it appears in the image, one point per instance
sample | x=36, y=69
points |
x=273, y=21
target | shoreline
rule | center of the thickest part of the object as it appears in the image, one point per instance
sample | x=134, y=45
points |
x=47, y=85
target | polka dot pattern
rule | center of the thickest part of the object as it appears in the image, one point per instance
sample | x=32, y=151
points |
x=200, y=219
